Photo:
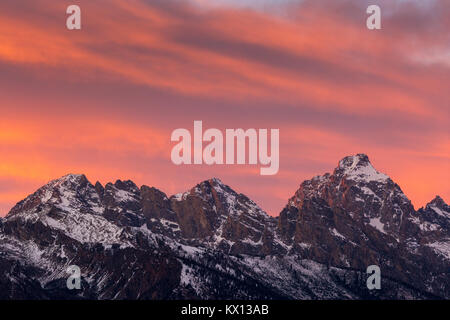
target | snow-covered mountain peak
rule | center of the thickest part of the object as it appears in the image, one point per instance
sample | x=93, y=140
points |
x=70, y=192
x=121, y=192
x=208, y=186
x=215, y=181
x=219, y=217
x=353, y=172
x=72, y=178
x=126, y=185
x=65, y=184
x=214, y=237
x=439, y=206
x=360, y=192
x=358, y=168
x=439, y=202
x=70, y=205
x=205, y=190
x=354, y=160
x=221, y=197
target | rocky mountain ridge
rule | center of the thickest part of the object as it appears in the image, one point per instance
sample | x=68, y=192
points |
x=214, y=243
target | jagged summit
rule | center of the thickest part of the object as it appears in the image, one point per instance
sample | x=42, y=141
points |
x=360, y=159
x=438, y=201
x=439, y=207
x=353, y=180
x=359, y=168
x=62, y=192
x=70, y=178
x=215, y=181
x=355, y=193
x=213, y=242
x=205, y=190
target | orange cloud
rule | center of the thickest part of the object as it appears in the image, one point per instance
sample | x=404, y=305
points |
x=104, y=100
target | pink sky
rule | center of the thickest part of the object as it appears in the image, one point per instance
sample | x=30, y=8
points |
x=104, y=100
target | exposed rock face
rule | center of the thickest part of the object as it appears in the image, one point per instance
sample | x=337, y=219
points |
x=356, y=217
x=369, y=198
x=213, y=214
x=433, y=221
x=122, y=203
x=213, y=243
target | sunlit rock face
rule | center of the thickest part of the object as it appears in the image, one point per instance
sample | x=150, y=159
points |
x=212, y=242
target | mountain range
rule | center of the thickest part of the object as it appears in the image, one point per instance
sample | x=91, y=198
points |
x=211, y=242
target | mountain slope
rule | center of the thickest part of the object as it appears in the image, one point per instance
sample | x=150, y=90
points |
x=214, y=243
x=356, y=217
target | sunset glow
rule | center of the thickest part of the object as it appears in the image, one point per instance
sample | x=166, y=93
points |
x=104, y=100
